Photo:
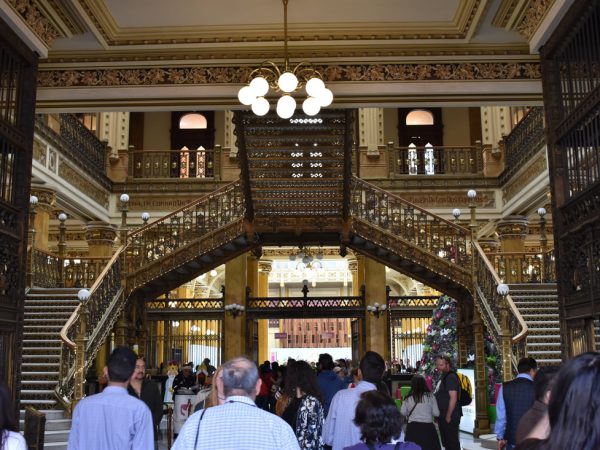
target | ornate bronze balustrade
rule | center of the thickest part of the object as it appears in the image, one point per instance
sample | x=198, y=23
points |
x=89, y=326
x=523, y=267
x=210, y=221
x=490, y=303
x=200, y=163
x=78, y=144
x=269, y=307
x=445, y=242
x=82, y=272
x=446, y=160
x=45, y=271
x=77, y=272
x=427, y=302
x=523, y=142
x=166, y=305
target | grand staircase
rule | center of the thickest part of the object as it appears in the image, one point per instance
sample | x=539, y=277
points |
x=538, y=304
x=46, y=312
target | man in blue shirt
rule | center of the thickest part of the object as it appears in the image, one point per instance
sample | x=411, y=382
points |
x=237, y=423
x=514, y=400
x=113, y=419
x=339, y=430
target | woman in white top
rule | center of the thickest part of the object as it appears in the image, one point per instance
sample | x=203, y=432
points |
x=10, y=438
x=419, y=408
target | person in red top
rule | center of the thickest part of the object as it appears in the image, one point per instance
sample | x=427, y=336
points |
x=264, y=394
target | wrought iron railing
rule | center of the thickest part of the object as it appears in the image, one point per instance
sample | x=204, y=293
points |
x=45, y=269
x=523, y=142
x=76, y=272
x=524, y=267
x=202, y=163
x=87, y=328
x=205, y=224
x=419, y=302
x=406, y=227
x=467, y=160
x=489, y=304
x=210, y=221
x=78, y=144
x=167, y=305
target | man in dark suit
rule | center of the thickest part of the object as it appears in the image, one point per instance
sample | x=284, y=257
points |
x=544, y=379
x=514, y=400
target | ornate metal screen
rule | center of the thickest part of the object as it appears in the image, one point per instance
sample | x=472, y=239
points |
x=407, y=338
x=184, y=341
x=18, y=69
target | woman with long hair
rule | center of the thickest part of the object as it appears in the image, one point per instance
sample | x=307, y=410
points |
x=10, y=438
x=305, y=412
x=418, y=408
x=380, y=423
x=574, y=408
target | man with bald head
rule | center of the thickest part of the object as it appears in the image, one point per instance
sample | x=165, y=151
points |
x=237, y=422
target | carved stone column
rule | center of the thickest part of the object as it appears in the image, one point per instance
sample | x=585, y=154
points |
x=264, y=269
x=371, y=144
x=489, y=245
x=44, y=209
x=234, y=327
x=100, y=238
x=482, y=421
x=377, y=327
x=121, y=330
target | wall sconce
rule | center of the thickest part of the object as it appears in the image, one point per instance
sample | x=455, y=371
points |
x=376, y=309
x=234, y=309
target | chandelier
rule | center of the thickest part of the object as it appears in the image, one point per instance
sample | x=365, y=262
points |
x=286, y=80
x=309, y=260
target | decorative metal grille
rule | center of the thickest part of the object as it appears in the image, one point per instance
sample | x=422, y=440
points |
x=431, y=160
x=184, y=341
x=407, y=337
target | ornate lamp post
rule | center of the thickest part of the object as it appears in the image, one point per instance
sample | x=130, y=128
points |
x=33, y=201
x=124, y=199
x=503, y=291
x=62, y=247
x=456, y=213
x=80, y=343
x=543, y=243
x=145, y=217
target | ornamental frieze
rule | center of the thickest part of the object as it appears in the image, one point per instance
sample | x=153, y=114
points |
x=35, y=20
x=161, y=76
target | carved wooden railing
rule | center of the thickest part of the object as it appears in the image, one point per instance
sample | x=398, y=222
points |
x=523, y=142
x=490, y=304
x=524, y=267
x=411, y=231
x=211, y=221
x=204, y=163
x=447, y=160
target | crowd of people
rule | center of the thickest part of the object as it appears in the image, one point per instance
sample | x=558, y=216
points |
x=315, y=408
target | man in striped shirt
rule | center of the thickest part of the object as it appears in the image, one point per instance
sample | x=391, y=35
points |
x=237, y=422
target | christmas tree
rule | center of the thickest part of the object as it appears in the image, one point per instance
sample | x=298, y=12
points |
x=441, y=335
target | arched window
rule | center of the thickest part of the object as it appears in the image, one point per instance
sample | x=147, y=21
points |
x=420, y=117
x=193, y=121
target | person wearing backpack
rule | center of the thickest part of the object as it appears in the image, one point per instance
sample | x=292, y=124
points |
x=447, y=396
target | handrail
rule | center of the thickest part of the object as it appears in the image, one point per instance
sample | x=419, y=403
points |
x=183, y=208
x=175, y=163
x=512, y=307
x=75, y=314
x=466, y=160
x=460, y=228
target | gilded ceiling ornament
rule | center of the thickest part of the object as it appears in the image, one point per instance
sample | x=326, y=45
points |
x=35, y=20
x=534, y=16
x=338, y=73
